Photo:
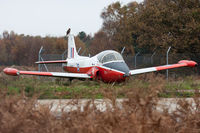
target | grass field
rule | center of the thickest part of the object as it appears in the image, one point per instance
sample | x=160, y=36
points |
x=58, y=88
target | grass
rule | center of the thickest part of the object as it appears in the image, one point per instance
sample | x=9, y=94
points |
x=19, y=113
x=48, y=88
x=186, y=83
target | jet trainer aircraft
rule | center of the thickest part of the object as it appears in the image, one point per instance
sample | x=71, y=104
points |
x=108, y=66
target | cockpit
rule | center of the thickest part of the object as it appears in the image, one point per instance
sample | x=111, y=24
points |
x=108, y=56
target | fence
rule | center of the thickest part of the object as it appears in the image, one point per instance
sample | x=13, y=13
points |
x=146, y=60
x=51, y=67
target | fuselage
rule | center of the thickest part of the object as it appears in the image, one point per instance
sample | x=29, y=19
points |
x=110, y=64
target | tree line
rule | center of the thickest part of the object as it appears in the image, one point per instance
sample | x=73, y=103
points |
x=23, y=49
x=146, y=27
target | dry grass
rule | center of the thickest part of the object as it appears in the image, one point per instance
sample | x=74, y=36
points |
x=20, y=114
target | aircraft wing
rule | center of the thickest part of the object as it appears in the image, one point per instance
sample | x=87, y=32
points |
x=15, y=72
x=183, y=63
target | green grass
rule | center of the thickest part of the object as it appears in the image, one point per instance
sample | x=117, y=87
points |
x=187, y=83
x=62, y=88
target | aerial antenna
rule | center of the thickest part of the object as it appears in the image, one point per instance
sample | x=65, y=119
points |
x=68, y=31
x=123, y=50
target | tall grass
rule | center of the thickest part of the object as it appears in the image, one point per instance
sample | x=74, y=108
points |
x=19, y=113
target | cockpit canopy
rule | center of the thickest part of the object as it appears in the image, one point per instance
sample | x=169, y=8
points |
x=109, y=55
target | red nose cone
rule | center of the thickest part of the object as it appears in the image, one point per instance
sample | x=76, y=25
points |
x=11, y=71
x=189, y=63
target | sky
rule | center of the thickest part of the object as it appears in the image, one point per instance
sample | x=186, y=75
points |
x=52, y=17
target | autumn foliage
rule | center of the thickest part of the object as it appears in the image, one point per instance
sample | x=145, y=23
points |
x=23, y=49
x=154, y=25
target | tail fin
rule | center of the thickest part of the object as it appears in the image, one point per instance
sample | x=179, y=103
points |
x=72, y=53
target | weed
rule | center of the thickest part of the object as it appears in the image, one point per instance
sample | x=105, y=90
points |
x=20, y=112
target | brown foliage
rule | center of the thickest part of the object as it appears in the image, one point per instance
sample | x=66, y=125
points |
x=101, y=42
x=138, y=114
x=23, y=50
x=154, y=25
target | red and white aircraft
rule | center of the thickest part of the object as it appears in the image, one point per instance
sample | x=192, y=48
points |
x=108, y=66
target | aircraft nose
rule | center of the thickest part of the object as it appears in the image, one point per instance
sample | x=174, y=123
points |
x=120, y=66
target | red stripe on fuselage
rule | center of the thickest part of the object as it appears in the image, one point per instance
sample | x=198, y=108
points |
x=75, y=69
x=106, y=75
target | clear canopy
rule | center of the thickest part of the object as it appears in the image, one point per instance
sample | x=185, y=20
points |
x=109, y=55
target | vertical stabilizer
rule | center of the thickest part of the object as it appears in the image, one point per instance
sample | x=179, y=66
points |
x=72, y=53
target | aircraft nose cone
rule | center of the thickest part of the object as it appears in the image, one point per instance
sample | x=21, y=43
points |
x=120, y=66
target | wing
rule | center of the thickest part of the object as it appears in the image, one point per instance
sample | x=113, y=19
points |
x=15, y=72
x=182, y=63
x=51, y=62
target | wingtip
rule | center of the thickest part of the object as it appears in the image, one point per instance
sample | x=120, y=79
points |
x=11, y=71
x=189, y=63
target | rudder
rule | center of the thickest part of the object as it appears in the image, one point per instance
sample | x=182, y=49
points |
x=72, y=53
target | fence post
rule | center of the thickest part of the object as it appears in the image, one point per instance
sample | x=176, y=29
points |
x=136, y=59
x=64, y=54
x=39, y=57
x=79, y=50
x=123, y=50
x=167, y=72
x=152, y=57
x=44, y=64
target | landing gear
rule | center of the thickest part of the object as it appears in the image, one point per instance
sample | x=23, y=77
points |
x=70, y=80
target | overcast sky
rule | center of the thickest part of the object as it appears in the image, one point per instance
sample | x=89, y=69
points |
x=52, y=17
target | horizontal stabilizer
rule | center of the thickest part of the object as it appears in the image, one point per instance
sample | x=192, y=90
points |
x=51, y=62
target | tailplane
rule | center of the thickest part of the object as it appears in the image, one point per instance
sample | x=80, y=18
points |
x=72, y=53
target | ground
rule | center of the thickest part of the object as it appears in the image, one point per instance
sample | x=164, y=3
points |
x=19, y=113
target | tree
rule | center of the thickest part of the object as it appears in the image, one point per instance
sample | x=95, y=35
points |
x=154, y=25
x=101, y=42
x=117, y=22
x=85, y=38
